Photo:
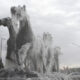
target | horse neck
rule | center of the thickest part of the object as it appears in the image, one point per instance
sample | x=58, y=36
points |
x=25, y=25
x=11, y=31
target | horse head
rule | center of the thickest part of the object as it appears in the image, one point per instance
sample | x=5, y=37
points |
x=18, y=12
x=5, y=21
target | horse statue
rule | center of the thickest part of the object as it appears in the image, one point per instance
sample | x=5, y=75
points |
x=48, y=54
x=29, y=48
x=7, y=22
x=57, y=53
x=19, y=30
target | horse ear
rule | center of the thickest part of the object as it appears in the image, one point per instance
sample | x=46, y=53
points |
x=12, y=10
x=24, y=7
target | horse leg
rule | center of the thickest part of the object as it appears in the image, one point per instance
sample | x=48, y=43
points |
x=1, y=64
x=23, y=53
x=10, y=50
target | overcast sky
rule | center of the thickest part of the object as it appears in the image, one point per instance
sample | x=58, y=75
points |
x=59, y=17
